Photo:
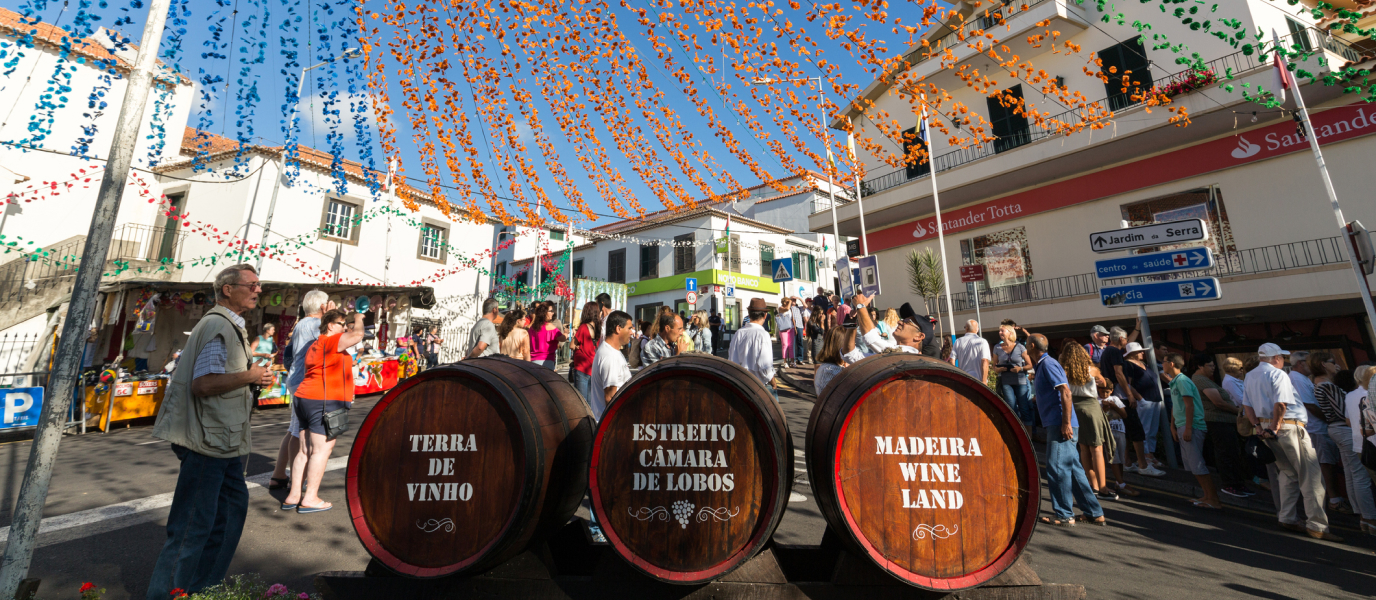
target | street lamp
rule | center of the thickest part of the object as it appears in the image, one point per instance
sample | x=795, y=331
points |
x=826, y=138
x=291, y=141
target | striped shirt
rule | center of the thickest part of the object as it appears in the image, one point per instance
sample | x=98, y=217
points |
x=213, y=357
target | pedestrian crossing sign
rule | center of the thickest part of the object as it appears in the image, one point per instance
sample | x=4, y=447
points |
x=783, y=269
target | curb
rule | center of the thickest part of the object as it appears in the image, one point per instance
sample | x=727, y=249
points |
x=801, y=386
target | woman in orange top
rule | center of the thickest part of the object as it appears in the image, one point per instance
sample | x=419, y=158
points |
x=328, y=386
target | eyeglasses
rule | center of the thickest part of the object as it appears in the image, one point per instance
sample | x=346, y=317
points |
x=339, y=323
x=255, y=285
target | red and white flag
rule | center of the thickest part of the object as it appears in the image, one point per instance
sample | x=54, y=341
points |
x=1282, y=79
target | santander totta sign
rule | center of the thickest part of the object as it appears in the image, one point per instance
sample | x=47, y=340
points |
x=1330, y=126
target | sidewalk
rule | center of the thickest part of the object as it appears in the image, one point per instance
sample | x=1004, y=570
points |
x=1175, y=481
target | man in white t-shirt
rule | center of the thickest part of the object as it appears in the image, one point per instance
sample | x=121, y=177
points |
x=972, y=352
x=609, y=368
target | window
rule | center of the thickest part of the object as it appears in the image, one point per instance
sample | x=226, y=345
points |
x=649, y=261
x=433, y=239
x=577, y=268
x=1129, y=77
x=1005, y=255
x=734, y=265
x=339, y=222
x=556, y=235
x=909, y=145
x=616, y=266
x=766, y=260
x=1010, y=125
x=804, y=266
x=501, y=271
x=1299, y=34
x=685, y=254
x=1201, y=203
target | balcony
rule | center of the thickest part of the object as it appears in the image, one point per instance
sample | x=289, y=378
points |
x=1221, y=69
x=135, y=242
x=1267, y=259
x=33, y=275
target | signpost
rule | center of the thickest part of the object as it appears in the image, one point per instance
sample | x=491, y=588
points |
x=1156, y=234
x=22, y=407
x=691, y=284
x=844, y=282
x=869, y=275
x=730, y=291
x=973, y=274
x=782, y=269
x=1170, y=261
x=692, y=299
x=1155, y=292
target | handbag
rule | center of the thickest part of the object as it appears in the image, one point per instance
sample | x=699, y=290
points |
x=335, y=422
x=1244, y=427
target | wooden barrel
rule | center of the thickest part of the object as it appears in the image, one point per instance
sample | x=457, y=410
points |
x=691, y=468
x=924, y=470
x=458, y=468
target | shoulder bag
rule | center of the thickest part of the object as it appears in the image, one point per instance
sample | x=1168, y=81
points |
x=335, y=422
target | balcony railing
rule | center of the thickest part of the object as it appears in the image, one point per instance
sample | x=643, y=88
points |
x=135, y=242
x=35, y=273
x=1223, y=68
x=1280, y=257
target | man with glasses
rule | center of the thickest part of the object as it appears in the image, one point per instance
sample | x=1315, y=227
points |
x=205, y=415
x=912, y=330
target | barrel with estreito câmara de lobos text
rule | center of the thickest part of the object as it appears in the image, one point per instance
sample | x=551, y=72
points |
x=924, y=470
x=691, y=469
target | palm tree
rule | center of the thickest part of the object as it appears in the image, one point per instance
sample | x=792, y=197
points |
x=924, y=277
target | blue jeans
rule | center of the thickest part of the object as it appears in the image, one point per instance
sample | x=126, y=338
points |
x=1065, y=477
x=1019, y=398
x=581, y=382
x=209, y=508
x=1150, y=413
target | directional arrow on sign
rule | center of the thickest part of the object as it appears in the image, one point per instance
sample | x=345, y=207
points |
x=1170, y=261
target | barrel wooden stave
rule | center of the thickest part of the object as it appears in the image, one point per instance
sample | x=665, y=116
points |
x=723, y=528
x=527, y=469
x=859, y=491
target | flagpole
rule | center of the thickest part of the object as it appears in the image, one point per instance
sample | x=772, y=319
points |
x=859, y=201
x=940, y=231
x=1302, y=116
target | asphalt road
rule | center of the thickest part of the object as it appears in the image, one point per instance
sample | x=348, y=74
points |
x=1156, y=546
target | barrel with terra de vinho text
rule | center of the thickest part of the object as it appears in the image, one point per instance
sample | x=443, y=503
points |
x=924, y=470
x=460, y=467
x=691, y=469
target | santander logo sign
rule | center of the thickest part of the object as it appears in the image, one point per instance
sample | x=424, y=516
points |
x=1245, y=149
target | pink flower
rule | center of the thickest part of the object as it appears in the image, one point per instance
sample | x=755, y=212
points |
x=276, y=589
x=303, y=596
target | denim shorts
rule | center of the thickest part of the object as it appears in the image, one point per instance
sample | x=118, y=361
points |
x=311, y=413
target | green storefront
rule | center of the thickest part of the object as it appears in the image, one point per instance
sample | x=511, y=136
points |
x=643, y=297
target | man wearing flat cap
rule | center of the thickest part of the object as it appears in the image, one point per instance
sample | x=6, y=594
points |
x=912, y=330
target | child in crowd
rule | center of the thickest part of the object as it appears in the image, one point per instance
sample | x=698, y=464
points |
x=1115, y=411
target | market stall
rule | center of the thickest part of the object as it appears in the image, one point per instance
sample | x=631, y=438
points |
x=373, y=375
x=116, y=400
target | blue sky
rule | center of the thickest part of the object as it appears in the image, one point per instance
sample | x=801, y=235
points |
x=252, y=54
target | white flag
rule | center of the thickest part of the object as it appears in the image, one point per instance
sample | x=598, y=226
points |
x=1281, y=79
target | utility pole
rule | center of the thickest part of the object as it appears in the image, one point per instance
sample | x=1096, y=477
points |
x=28, y=511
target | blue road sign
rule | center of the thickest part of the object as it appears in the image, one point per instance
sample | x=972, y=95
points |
x=1161, y=292
x=782, y=269
x=691, y=284
x=22, y=406
x=730, y=291
x=1170, y=261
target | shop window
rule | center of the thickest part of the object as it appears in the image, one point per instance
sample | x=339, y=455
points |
x=1128, y=59
x=649, y=261
x=1203, y=203
x=1006, y=257
x=684, y=254
x=616, y=266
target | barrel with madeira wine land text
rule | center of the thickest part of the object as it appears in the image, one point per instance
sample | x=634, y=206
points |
x=924, y=470
x=691, y=468
x=458, y=468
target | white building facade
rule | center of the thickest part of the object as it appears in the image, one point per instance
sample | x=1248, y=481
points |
x=1023, y=206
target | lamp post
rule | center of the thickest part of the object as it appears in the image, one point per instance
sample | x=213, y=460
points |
x=826, y=138
x=291, y=141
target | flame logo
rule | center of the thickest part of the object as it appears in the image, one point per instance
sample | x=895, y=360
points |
x=920, y=231
x=1245, y=149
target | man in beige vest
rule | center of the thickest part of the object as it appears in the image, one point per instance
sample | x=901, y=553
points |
x=205, y=416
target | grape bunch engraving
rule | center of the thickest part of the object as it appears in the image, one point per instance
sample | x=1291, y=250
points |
x=682, y=511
